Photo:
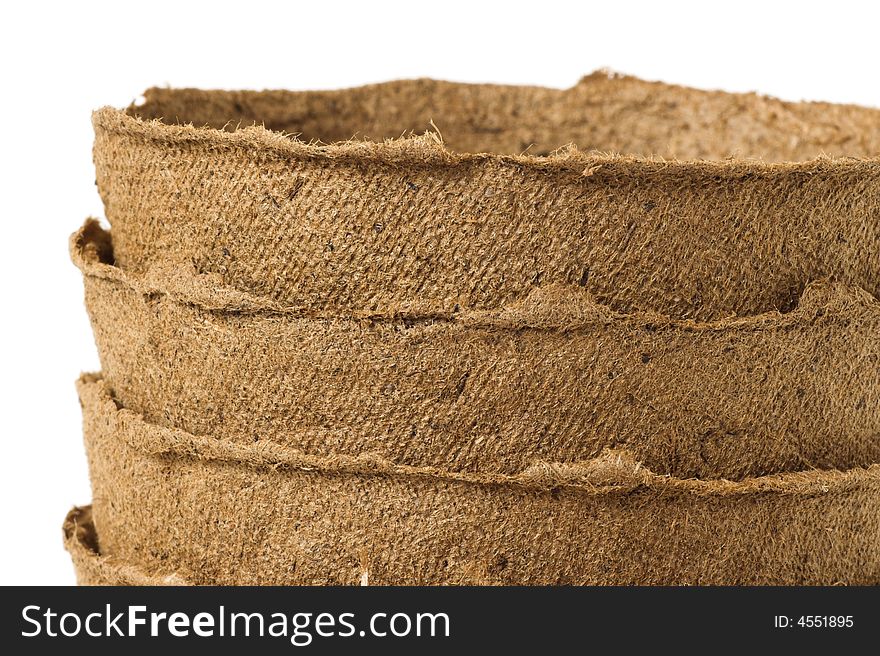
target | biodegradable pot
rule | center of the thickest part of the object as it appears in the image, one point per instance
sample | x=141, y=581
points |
x=466, y=357
x=416, y=227
x=210, y=511
x=555, y=377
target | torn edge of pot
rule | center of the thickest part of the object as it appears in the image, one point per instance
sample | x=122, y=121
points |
x=93, y=568
x=552, y=307
x=614, y=471
x=428, y=150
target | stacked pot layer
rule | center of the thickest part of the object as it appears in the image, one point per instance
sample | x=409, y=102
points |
x=393, y=363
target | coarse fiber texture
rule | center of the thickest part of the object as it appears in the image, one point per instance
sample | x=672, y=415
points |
x=411, y=226
x=81, y=542
x=212, y=511
x=555, y=377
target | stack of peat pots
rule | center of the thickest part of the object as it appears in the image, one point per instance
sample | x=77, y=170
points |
x=389, y=360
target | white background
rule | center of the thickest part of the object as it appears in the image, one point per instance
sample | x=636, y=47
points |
x=60, y=61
